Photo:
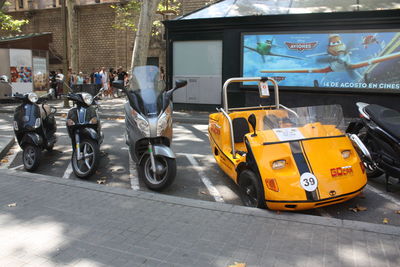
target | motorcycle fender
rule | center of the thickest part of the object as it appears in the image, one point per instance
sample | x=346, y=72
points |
x=160, y=150
x=32, y=138
x=91, y=133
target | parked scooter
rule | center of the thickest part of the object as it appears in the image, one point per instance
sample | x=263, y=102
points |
x=84, y=129
x=148, y=118
x=34, y=127
x=379, y=130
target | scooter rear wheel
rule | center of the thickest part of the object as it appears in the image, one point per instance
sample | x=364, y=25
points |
x=31, y=157
x=165, y=172
x=371, y=170
x=86, y=166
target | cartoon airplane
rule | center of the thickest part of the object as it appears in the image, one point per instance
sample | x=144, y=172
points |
x=264, y=49
x=339, y=60
x=368, y=40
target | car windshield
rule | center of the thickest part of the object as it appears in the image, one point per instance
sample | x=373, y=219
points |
x=323, y=121
x=146, y=89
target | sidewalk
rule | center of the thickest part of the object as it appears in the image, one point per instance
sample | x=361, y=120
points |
x=114, y=108
x=48, y=221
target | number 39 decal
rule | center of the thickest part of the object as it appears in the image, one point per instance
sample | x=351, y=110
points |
x=308, y=181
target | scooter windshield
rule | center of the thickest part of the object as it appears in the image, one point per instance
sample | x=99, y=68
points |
x=146, y=90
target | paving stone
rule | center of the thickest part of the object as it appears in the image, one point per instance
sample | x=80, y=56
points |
x=90, y=225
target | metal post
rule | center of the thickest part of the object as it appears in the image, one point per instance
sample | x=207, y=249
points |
x=65, y=52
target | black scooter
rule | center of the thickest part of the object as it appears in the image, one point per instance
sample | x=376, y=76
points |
x=379, y=131
x=34, y=127
x=84, y=129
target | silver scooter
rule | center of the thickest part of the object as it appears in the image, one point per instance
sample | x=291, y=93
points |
x=148, y=118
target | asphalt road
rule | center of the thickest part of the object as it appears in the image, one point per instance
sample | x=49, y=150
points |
x=198, y=176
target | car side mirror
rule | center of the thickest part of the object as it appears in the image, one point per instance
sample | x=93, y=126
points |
x=253, y=122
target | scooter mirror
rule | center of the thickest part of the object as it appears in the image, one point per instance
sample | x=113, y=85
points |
x=118, y=84
x=252, y=120
x=180, y=83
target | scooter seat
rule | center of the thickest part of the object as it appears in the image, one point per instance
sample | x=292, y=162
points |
x=387, y=119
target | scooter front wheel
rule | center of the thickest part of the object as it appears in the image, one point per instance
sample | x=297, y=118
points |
x=164, y=175
x=31, y=157
x=90, y=154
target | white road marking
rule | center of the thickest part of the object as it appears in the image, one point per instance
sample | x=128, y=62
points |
x=68, y=171
x=383, y=194
x=11, y=157
x=133, y=176
x=17, y=167
x=210, y=187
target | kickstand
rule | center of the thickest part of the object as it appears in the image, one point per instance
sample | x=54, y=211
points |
x=387, y=182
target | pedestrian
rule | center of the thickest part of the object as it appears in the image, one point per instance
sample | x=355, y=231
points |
x=97, y=81
x=104, y=81
x=60, y=81
x=79, y=81
x=92, y=76
x=122, y=75
x=111, y=77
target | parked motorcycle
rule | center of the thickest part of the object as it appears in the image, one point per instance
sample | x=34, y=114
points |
x=34, y=127
x=379, y=131
x=84, y=129
x=148, y=118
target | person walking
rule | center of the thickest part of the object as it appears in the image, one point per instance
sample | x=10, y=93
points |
x=79, y=81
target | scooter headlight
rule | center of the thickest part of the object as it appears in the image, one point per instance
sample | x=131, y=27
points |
x=87, y=98
x=164, y=120
x=37, y=122
x=141, y=123
x=33, y=97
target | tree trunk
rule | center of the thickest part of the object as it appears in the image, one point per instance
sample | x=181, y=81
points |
x=72, y=36
x=143, y=34
x=2, y=3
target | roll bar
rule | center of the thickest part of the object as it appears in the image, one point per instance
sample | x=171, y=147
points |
x=225, y=100
x=249, y=79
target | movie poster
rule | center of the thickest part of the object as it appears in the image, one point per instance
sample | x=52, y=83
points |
x=21, y=66
x=40, y=73
x=359, y=60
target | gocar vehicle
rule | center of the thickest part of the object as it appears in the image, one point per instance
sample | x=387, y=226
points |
x=286, y=159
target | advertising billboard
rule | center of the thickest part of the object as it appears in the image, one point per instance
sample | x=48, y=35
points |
x=347, y=60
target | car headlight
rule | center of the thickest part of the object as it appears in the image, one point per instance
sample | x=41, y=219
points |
x=33, y=97
x=163, y=121
x=87, y=98
x=38, y=122
x=141, y=123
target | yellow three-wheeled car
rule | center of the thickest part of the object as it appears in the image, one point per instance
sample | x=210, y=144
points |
x=286, y=159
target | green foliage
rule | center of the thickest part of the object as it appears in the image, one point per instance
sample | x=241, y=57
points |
x=9, y=24
x=128, y=14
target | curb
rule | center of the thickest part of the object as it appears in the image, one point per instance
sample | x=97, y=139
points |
x=5, y=149
x=221, y=207
x=114, y=116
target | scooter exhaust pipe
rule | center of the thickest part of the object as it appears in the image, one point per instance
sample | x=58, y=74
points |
x=360, y=145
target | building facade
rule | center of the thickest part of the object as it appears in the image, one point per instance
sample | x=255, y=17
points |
x=99, y=44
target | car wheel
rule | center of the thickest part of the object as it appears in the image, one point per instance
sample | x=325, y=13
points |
x=165, y=172
x=371, y=170
x=86, y=166
x=31, y=157
x=252, y=192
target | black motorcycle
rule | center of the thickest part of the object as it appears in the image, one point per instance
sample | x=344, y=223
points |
x=34, y=127
x=379, y=131
x=84, y=129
